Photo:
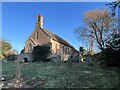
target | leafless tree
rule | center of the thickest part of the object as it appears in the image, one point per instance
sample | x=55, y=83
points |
x=113, y=6
x=98, y=26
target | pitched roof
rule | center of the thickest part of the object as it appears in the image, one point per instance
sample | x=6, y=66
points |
x=54, y=37
x=57, y=38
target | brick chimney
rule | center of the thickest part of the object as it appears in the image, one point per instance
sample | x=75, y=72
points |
x=39, y=21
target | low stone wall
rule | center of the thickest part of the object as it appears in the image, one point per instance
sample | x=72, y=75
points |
x=22, y=57
x=56, y=58
x=28, y=56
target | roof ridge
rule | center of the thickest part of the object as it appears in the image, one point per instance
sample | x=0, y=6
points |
x=56, y=37
x=53, y=36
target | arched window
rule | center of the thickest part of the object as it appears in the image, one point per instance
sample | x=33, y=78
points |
x=30, y=47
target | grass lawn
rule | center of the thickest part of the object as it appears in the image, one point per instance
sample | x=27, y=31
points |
x=79, y=75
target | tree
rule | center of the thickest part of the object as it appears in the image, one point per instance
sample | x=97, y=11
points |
x=113, y=6
x=98, y=26
x=5, y=46
x=82, y=51
x=85, y=39
x=40, y=53
x=111, y=54
x=113, y=42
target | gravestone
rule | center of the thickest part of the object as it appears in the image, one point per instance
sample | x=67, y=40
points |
x=20, y=62
x=17, y=82
x=90, y=61
x=18, y=70
x=56, y=59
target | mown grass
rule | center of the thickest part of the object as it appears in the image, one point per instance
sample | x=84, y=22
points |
x=78, y=75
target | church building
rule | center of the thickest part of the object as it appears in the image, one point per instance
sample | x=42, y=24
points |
x=40, y=36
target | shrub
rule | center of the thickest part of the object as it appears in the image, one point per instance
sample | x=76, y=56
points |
x=40, y=53
x=82, y=51
x=97, y=57
x=111, y=54
x=108, y=57
x=74, y=59
x=11, y=57
x=111, y=57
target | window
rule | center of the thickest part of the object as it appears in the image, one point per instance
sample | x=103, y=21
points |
x=51, y=47
x=63, y=49
x=68, y=51
x=38, y=19
x=56, y=48
x=30, y=47
x=36, y=35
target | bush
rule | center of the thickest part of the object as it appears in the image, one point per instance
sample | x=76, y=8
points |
x=111, y=57
x=111, y=54
x=40, y=53
x=108, y=57
x=74, y=59
x=97, y=57
x=11, y=57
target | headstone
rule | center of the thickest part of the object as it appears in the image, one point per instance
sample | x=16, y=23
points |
x=20, y=61
x=18, y=70
x=90, y=61
x=17, y=82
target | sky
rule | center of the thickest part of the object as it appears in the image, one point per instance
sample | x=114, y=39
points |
x=61, y=18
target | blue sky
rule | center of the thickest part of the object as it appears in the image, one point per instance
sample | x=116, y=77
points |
x=18, y=20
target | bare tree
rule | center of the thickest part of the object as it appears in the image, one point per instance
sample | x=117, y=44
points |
x=113, y=6
x=79, y=32
x=98, y=26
